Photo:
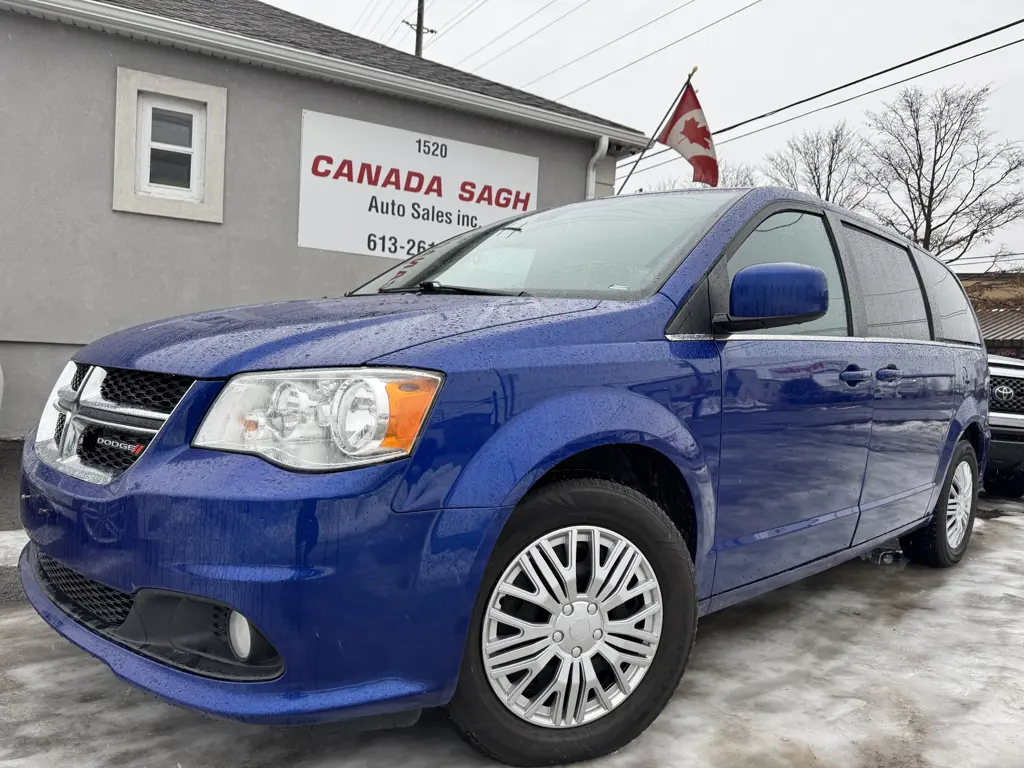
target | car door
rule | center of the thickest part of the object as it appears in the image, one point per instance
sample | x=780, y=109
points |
x=796, y=414
x=913, y=386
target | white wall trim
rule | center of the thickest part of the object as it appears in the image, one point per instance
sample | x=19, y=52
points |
x=126, y=195
x=138, y=25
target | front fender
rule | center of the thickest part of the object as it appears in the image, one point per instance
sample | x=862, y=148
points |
x=534, y=441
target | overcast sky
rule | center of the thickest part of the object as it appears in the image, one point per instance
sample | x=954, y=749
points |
x=770, y=54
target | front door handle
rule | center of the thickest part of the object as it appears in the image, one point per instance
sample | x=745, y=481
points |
x=854, y=374
x=889, y=373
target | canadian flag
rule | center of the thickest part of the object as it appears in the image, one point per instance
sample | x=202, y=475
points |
x=688, y=134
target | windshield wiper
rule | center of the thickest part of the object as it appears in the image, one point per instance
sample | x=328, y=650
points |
x=433, y=286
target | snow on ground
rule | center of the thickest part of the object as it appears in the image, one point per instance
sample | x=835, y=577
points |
x=863, y=666
x=11, y=544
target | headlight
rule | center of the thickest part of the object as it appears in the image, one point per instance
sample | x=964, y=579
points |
x=321, y=419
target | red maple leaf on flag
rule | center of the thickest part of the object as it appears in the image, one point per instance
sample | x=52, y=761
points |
x=696, y=133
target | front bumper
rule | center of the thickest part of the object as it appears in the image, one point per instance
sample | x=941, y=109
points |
x=1007, y=449
x=367, y=607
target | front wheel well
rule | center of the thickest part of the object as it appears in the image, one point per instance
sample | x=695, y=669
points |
x=644, y=469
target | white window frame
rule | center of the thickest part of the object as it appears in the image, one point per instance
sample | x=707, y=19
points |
x=137, y=94
x=145, y=146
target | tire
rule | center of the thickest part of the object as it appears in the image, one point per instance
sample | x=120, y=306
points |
x=936, y=544
x=1005, y=484
x=477, y=712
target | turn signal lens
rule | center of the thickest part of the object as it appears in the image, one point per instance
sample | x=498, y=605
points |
x=408, y=403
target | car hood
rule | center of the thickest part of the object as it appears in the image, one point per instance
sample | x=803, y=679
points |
x=999, y=361
x=301, y=334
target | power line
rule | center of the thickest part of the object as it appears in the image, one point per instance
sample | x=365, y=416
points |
x=837, y=103
x=370, y=4
x=858, y=81
x=397, y=21
x=655, y=52
x=407, y=26
x=380, y=18
x=605, y=45
x=531, y=36
x=473, y=10
x=506, y=32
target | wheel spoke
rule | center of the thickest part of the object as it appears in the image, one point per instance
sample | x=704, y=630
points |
x=533, y=663
x=615, y=661
x=632, y=650
x=595, y=684
x=539, y=598
x=513, y=657
x=624, y=595
x=602, y=570
x=567, y=571
x=551, y=581
x=626, y=629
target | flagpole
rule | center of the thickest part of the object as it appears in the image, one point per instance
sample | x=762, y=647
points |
x=657, y=131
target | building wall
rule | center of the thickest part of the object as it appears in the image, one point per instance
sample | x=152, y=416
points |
x=74, y=270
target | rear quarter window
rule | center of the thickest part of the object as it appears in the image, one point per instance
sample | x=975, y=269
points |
x=951, y=309
x=892, y=293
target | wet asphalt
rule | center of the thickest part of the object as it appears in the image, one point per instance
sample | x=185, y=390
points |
x=10, y=502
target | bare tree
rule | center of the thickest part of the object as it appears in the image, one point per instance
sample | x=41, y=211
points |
x=937, y=176
x=737, y=175
x=823, y=162
x=729, y=175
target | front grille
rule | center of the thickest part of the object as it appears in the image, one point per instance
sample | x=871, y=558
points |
x=1007, y=437
x=106, y=424
x=102, y=606
x=1012, y=404
x=114, y=458
x=141, y=389
x=80, y=371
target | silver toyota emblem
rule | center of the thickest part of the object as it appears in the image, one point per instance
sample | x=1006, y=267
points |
x=1003, y=392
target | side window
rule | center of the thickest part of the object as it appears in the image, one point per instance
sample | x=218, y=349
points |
x=892, y=293
x=951, y=309
x=797, y=236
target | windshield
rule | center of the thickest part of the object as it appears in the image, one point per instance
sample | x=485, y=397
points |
x=615, y=247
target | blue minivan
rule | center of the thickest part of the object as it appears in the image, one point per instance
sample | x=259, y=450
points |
x=506, y=476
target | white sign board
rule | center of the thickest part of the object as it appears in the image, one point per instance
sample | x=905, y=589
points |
x=370, y=189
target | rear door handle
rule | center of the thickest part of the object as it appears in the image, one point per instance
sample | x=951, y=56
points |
x=889, y=373
x=854, y=374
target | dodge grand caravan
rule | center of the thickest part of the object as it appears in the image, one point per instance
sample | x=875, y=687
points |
x=507, y=476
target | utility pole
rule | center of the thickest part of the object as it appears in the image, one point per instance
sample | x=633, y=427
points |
x=418, y=27
x=420, y=12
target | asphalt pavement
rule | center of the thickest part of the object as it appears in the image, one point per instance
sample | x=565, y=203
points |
x=10, y=496
x=11, y=539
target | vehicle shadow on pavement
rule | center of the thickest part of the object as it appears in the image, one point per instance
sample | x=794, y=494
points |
x=850, y=667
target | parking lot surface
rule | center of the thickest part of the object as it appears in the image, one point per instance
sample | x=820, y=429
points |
x=865, y=665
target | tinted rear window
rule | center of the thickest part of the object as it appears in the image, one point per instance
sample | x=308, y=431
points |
x=951, y=309
x=892, y=293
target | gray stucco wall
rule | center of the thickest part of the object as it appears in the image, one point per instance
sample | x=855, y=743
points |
x=72, y=269
x=29, y=373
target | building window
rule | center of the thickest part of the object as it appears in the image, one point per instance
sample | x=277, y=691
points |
x=170, y=151
x=169, y=147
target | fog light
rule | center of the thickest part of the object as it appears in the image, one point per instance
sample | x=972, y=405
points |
x=240, y=636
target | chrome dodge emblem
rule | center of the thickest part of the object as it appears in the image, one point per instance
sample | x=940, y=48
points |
x=1003, y=392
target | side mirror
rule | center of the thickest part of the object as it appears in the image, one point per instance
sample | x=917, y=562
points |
x=772, y=295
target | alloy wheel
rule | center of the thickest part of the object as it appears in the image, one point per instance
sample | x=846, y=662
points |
x=958, y=505
x=571, y=627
